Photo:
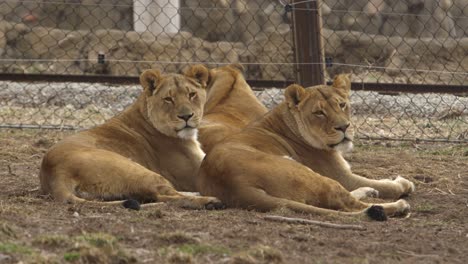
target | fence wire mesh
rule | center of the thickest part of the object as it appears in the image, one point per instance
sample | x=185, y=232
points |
x=378, y=41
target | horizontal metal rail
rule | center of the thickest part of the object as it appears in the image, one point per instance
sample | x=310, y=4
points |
x=110, y=79
x=22, y=126
x=256, y=84
x=410, y=88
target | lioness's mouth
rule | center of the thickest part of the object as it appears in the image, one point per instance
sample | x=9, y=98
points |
x=184, y=128
x=345, y=139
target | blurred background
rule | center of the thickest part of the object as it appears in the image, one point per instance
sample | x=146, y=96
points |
x=72, y=64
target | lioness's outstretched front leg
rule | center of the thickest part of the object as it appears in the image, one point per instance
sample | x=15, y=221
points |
x=388, y=189
x=105, y=174
x=341, y=172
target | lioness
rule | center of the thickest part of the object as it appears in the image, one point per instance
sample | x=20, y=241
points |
x=230, y=105
x=275, y=161
x=138, y=153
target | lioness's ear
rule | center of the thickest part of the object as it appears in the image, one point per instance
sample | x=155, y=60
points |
x=294, y=94
x=342, y=81
x=198, y=72
x=149, y=79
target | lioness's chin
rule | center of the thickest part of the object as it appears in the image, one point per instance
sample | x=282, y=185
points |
x=188, y=133
x=344, y=147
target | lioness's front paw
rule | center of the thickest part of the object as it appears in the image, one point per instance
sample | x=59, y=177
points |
x=218, y=205
x=364, y=192
x=198, y=202
x=407, y=186
x=212, y=203
x=403, y=208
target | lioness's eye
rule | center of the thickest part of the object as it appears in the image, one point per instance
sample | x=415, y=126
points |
x=342, y=105
x=168, y=100
x=319, y=113
x=192, y=95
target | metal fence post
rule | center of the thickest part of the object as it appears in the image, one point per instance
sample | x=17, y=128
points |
x=307, y=39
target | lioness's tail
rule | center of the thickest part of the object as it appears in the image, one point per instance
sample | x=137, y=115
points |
x=376, y=212
x=71, y=198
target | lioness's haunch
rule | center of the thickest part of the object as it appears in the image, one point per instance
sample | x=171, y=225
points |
x=139, y=154
x=288, y=157
x=230, y=105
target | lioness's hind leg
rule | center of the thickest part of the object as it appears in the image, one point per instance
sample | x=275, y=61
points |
x=364, y=192
x=103, y=174
x=63, y=191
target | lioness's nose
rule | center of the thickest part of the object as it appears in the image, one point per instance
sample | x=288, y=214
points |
x=342, y=128
x=185, y=117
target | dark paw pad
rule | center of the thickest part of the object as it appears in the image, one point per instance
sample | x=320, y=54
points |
x=131, y=204
x=376, y=212
x=215, y=206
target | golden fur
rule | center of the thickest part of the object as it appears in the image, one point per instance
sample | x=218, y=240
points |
x=142, y=153
x=292, y=158
x=230, y=105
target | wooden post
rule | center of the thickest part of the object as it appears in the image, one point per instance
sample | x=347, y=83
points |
x=307, y=39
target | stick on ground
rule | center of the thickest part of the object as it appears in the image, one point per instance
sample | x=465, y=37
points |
x=312, y=222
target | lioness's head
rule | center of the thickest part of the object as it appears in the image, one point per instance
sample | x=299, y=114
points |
x=227, y=73
x=174, y=102
x=221, y=82
x=322, y=113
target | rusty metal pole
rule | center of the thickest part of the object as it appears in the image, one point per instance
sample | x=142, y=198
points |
x=306, y=25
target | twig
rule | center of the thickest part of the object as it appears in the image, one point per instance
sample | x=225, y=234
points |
x=10, y=171
x=437, y=189
x=410, y=253
x=311, y=222
x=33, y=190
x=450, y=191
x=35, y=155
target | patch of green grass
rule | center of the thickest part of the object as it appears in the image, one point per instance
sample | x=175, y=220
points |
x=71, y=256
x=259, y=254
x=7, y=230
x=424, y=208
x=196, y=249
x=178, y=238
x=98, y=239
x=455, y=150
x=180, y=258
x=14, y=248
x=152, y=214
x=53, y=241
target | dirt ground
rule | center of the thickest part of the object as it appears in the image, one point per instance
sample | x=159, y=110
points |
x=35, y=229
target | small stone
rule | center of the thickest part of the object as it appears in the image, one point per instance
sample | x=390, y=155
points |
x=4, y=257
x=76, y=214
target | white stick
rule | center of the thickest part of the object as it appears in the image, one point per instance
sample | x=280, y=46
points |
x=311, y=222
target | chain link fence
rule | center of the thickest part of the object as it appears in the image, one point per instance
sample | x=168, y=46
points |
x=420, y=42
